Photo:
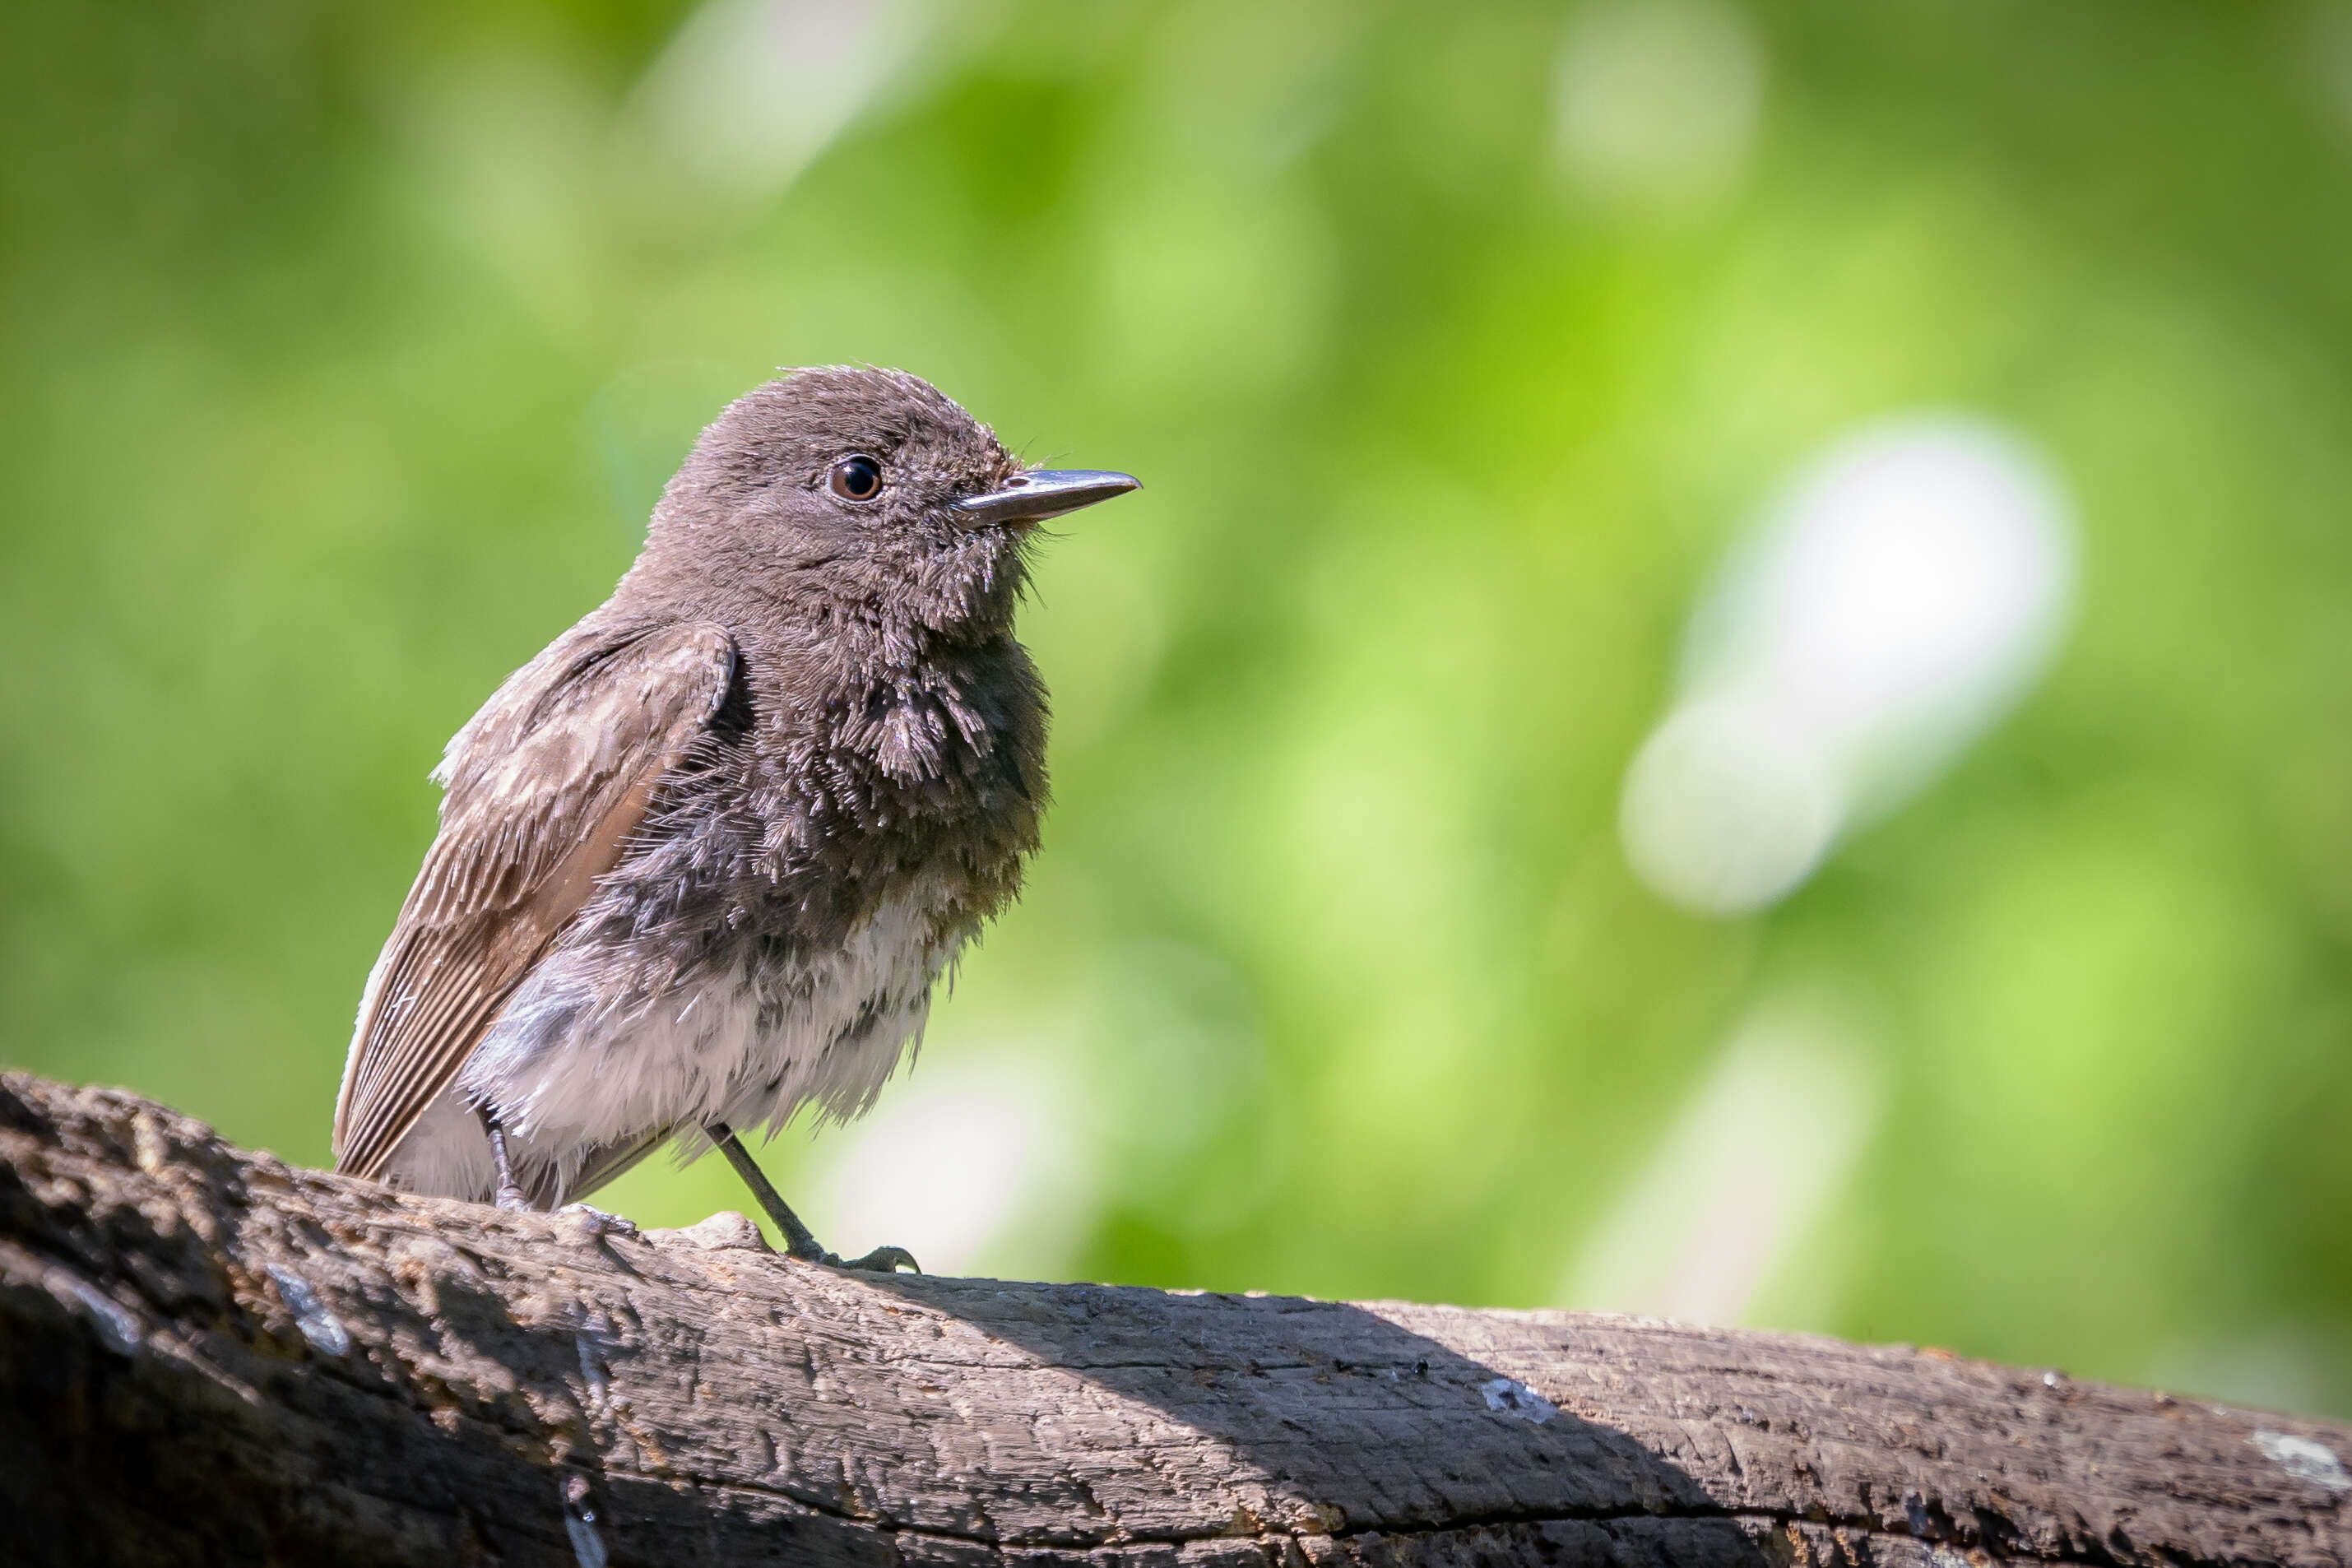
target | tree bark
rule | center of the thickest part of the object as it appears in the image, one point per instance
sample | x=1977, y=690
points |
x=206, y=1356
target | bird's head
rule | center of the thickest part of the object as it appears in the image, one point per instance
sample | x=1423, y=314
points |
x=848, y=490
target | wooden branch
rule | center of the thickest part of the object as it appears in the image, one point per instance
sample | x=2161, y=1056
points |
x=206, y=1356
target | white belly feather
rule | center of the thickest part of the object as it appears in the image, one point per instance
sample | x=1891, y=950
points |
x=747, y=1044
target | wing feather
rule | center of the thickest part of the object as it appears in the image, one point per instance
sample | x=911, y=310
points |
x=543, y=788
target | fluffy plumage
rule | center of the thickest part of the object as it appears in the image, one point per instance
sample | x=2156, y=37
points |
x=703, y=858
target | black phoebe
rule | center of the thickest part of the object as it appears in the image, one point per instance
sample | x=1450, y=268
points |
x=701, y=861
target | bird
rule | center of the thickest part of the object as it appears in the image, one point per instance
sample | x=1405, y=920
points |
x=701, y=864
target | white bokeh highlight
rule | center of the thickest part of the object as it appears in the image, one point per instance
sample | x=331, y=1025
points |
x=1743, y=1178
x=749, y=91
x=1901, y=596
x=1657, y=100
x=974, y=1166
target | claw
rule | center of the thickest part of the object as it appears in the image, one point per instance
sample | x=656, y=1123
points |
x=798, y=1243
x=599, y=1222
x=881, y=1260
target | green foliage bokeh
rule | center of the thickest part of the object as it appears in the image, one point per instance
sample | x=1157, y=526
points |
x=343, y=347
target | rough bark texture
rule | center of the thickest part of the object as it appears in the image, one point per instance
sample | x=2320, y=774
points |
x=206, y=1356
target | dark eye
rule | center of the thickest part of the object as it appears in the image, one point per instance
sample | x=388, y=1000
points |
x=857, y=478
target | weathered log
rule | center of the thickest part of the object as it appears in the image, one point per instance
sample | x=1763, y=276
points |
x=206, y=1356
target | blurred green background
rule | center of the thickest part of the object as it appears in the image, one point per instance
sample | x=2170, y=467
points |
x=344, y=347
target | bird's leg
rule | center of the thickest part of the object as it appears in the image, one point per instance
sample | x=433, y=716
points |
x=798, y=1242
x=797, y=1239
x=508, y=1193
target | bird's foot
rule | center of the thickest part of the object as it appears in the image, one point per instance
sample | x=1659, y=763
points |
x=599, y=1222
x=881, y=1260
x=798, y=1243
x=509, y=1197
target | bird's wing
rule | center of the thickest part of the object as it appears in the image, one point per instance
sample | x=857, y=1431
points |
x=544, y=787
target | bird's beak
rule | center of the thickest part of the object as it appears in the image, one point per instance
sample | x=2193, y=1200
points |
x=1041, y=493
